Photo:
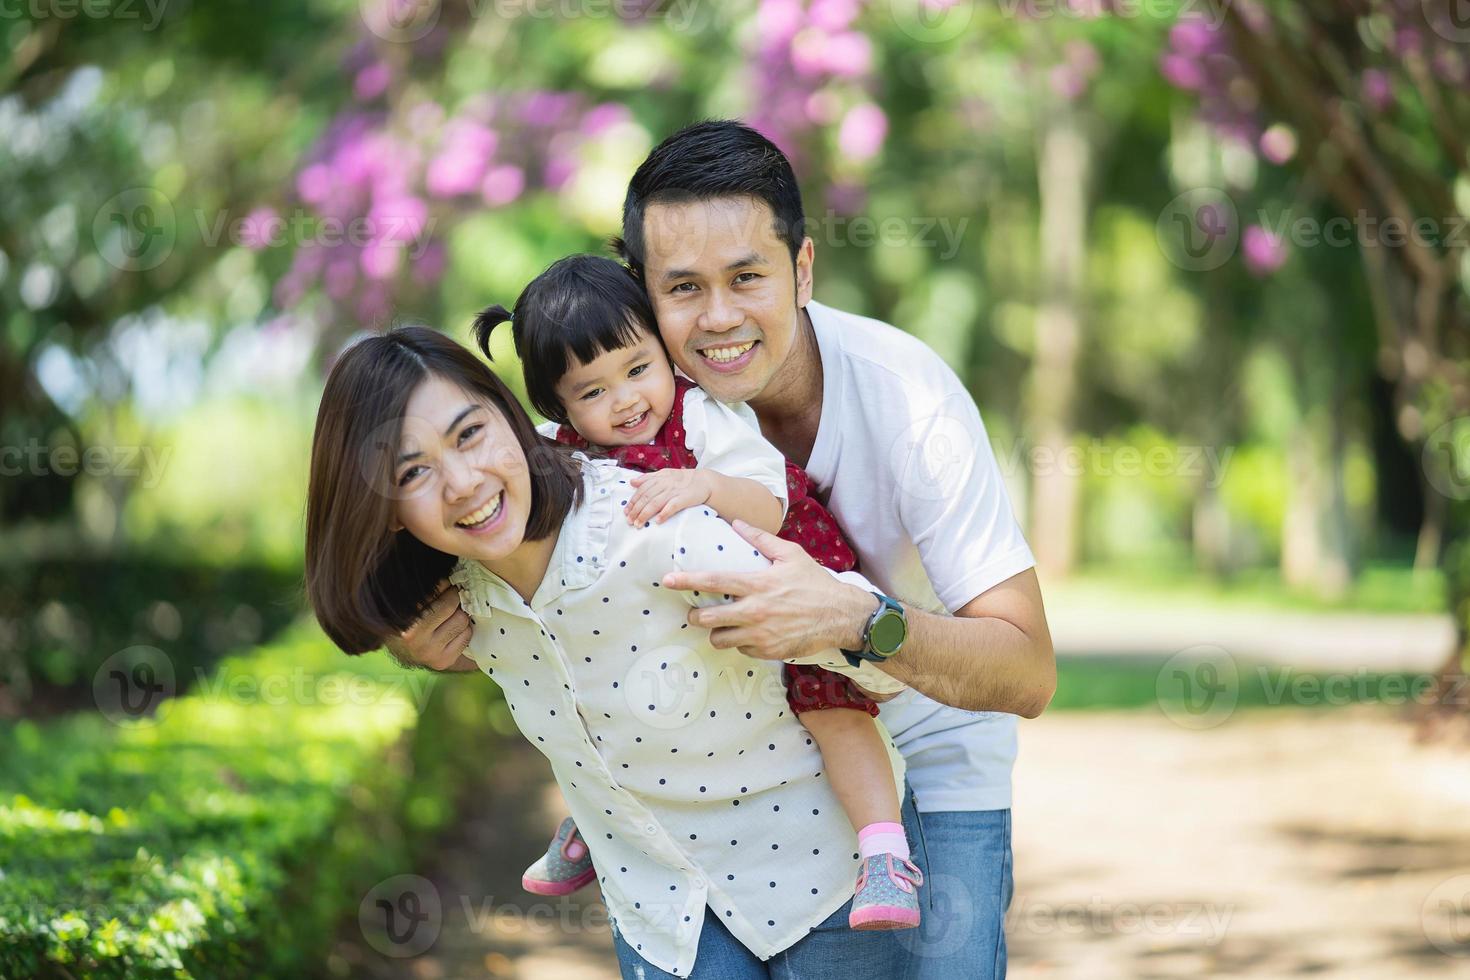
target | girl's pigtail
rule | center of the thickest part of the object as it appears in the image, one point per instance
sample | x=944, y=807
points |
x=485, y=323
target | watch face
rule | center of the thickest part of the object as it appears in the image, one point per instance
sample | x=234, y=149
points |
x=888, y=633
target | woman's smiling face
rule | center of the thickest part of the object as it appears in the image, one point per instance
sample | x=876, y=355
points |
x=459, y=475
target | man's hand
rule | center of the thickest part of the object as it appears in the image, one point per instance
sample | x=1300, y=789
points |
x=794, y=608
x=438, y=638
x=659, y=495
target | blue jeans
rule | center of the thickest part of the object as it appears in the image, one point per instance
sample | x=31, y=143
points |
x=966, y=860
x=960, y=936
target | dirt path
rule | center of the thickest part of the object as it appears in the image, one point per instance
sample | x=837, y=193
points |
x=488, y=926
x=1284, y=842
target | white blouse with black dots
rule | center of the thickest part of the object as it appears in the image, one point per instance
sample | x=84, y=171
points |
x=690, y=778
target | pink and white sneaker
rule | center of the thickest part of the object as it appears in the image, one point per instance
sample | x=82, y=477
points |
x=887, y=894
x=565, y=867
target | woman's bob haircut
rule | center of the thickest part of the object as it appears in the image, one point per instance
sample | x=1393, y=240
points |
x=365, y=581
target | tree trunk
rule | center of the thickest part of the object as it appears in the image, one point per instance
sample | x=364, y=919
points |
x=1063, y=177
x=1431, y=532
x=1301, y=551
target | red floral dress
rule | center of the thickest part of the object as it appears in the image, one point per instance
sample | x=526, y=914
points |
x=807, y=523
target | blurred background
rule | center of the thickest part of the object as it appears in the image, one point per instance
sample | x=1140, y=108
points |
x=1203, y=265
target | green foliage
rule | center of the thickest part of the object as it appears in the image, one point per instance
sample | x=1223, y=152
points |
x=64, y=618
x=234, y=486
x=226, y=836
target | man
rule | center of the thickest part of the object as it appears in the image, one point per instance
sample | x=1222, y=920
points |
x=713, y=224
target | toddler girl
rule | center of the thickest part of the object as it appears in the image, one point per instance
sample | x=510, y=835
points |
x=596, y=368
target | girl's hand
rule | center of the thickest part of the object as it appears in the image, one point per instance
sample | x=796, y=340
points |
x=660, y=495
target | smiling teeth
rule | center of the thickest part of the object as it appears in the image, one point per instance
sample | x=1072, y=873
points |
x=633, y=422
x=484, y=513
x=727, y=354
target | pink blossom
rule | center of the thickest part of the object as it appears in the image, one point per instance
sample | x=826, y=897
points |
x=381, y=259
x=848, y=55
x=863, y=131
x=833, y=15
x=372, y=81
x=1263, y=249
x=1194, y=38
x=1377, y=89
x=259, y=228
x=1278, y=144
x=464, y=153
x=545, y=108
x=777, y=20
x=398, y=219
x=561, y=160
x=503, y=184
x=428, y=266
x=1181, y=72
x=340, y=277
x=601, y=117
x=314, y=184
x=809, y=52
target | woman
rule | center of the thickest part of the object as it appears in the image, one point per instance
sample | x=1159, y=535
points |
x=718, y=842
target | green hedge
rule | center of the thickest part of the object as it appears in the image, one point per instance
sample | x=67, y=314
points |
x=61, y=619
x=229, y=835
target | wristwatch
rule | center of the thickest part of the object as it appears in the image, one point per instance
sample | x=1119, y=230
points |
x=883, y=636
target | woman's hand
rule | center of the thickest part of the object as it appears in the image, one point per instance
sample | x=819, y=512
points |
x=438, y=639
x=660, y=495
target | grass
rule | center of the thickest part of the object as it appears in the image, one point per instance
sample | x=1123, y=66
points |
x=1093, y=683
x=1380, y=588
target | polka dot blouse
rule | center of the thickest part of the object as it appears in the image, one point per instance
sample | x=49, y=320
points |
x=691, y=780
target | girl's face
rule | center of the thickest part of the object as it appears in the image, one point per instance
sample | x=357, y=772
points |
x=620, y=397
x=459, y=476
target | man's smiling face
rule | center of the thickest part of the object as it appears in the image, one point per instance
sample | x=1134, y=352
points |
x=727, y=299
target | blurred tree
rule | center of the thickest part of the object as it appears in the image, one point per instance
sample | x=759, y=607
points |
x=135, y=139
x=1374, y=94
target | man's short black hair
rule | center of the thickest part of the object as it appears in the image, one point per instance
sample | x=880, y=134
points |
x=580, y=307
x=712, y=159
